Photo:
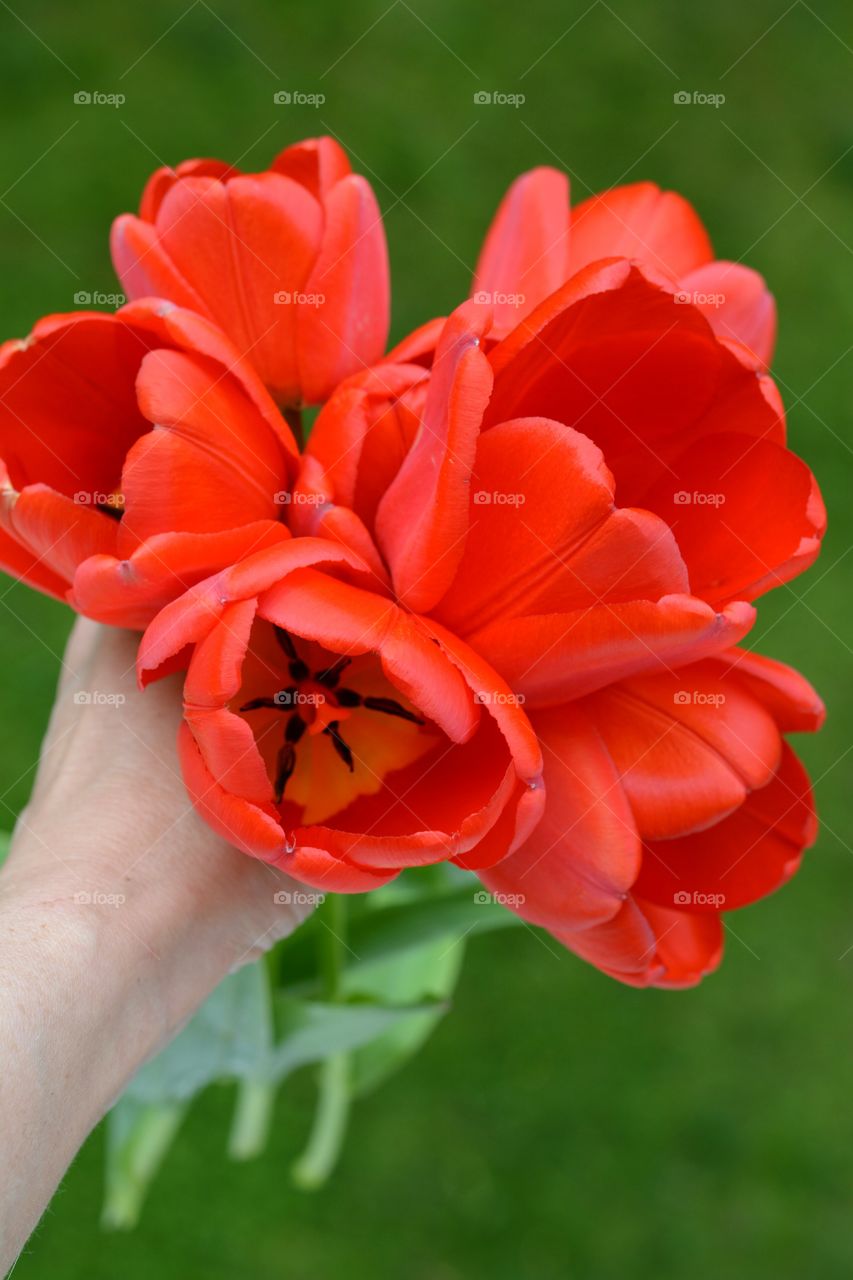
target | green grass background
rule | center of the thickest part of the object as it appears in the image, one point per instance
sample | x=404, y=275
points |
x=557, y=1125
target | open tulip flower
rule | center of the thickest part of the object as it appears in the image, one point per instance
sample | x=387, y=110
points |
x=290, y=263
x=138, y=454
x=506, y=632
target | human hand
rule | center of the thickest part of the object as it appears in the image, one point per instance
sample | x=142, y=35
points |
x=119, y=912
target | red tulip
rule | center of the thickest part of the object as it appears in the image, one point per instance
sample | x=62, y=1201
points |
x=290, y=263
x=536, y=243
x=332, y=733
x=484, y=488
x=138, y=454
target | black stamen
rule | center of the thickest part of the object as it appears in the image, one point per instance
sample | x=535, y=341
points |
x=285, y=765
x=332, y=674
x=339, y=745
x=110, y=509
x=282, y=701
x=296, y=726
x=298, y=669
x=391, y=708
x=286, y=643
x=347, y=698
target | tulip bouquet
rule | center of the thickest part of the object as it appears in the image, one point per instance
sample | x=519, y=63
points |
x=472, y=651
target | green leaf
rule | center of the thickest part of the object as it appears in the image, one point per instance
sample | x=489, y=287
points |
x=138, y=1138
x=230, y=1035
x=430, y=972
x=314, y=1031
x=392, y=930
x=5, y=842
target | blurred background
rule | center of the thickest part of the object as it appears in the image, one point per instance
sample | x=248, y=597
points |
x=557, y=1125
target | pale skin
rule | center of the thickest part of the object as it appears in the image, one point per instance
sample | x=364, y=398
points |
x=119, y=913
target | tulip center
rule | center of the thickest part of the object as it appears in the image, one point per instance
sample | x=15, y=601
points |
x=330, y=727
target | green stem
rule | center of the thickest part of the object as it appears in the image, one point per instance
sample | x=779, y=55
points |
x=131, y=1174
x=328, y=1131
x=252, y=1119
x=319, y=1158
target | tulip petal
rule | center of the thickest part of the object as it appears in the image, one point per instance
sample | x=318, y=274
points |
x=210, y=460
x=346, y=329
x=423, y=518
x=615, y=355
x=348, y=620
x=318, y=164
x=525, y=256
x=131, y=592
x=747, y=514
x=743, y=858
x=544, y=533
x=787, y=695
x=24, y=565
x=646, y=945
x=584, y=855
x=59, y=532
x=639, y=221
x=549, y=658
x=363, y=433
x=689, y=746
x=68, y=410
x=737, y=304
x=246, y=247
x=188, y=619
